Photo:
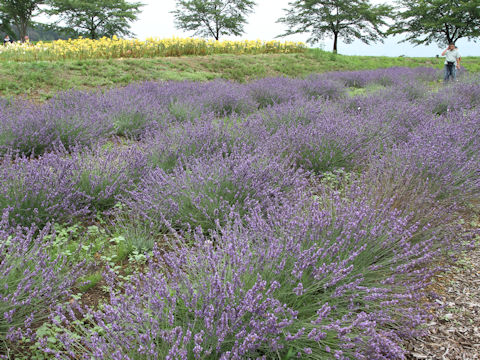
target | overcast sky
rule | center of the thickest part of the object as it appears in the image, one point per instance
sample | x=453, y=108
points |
x=157, y=21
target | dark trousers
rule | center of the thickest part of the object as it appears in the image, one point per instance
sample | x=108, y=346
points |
x=450, y=72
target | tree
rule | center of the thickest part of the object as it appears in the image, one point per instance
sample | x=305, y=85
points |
x=20, y=13
x=213, y=17
x=346, y=19
x=6, y=25
x=96, y=18
x=437, y=21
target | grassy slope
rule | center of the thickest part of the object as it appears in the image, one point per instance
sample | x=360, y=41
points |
x=40, y=80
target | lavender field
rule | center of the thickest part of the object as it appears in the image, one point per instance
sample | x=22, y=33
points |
x=278, y=219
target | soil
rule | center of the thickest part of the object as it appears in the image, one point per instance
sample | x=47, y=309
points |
x=454, y=332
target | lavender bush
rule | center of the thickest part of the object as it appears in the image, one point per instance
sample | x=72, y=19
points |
x=60, y=187
x=207, y=190
x=82, y=118
x=449, y=160
x=68, y=120
x=38, y=190
x=281, y=218
x=458, y=97
x=32, y=280
x=180, y=143
x=305, y=279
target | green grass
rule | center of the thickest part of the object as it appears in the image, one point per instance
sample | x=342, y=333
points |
x=41, y=80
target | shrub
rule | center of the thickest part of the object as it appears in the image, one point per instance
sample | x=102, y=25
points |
x=297, y=281
x=60, y=186
x=224, y=98
x=104, y=175
x=40, y=190
x=167, y=149
x=271, y=91
x=131, y=124
x=291, y=114
x=31, y=279
x=208, y=189
x=317, y=87
x=68, y=120
x=184, y=111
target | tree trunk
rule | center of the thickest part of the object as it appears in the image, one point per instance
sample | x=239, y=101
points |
x=447, y=34
x=335, y=42
x=23, y=30
x=22, y=26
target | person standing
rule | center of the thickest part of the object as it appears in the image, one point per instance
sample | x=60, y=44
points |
x=452, y=62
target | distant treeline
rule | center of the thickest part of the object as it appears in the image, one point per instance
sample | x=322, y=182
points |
x=42, y=32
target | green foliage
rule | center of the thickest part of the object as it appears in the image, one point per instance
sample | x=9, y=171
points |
x=345, y=19
x=214, y=196
x=90, y=281
x=20, y=12
x=326, y=157
x=337, y=180
x=369, y=89
x=130, y=124
x=6, y=24
x=69, y=237
x=96, y=18
x=48, y=32
x=136, y=235
x=437, y=21
x=41, y=80
x=184, y=112
x=441, y=108
x=166, y=161
x=213, y=18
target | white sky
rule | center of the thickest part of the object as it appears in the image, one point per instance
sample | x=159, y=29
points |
x=156, y=20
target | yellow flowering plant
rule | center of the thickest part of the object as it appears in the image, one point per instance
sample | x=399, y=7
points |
x=116, y=48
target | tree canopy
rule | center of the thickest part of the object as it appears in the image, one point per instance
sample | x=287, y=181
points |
x=437, y=21
x=213, y=18
x=345, y=19
x=97, y=18
x=20, y=13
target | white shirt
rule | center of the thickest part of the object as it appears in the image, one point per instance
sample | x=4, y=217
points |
x=452, y=56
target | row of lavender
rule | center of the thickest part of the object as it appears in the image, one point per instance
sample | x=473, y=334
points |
x=311, y=216
x=77, y=118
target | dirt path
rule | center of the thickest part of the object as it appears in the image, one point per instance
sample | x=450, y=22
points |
x=454, y=332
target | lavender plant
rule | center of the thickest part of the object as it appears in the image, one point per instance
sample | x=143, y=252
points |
x=203, y=138
x=457, y=97
x=104, y=175
x=60, y=187
x=209, y=188
x=255, y=252
x=305, y=279
x=68, y=120
x=320, y=87
x=39, y=190
x=271, y=91
x=31, y=280
x=449, y=161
